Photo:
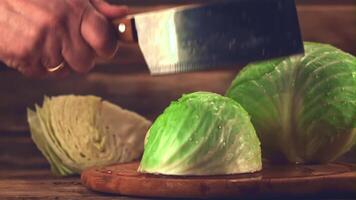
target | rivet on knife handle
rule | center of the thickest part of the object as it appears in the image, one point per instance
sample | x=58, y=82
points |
x=126, y=29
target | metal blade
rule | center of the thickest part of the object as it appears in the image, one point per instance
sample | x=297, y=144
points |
x=217, y=35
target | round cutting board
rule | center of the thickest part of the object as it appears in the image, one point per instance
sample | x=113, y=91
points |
x=272, y=181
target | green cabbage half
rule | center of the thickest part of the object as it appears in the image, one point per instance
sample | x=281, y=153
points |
x=303, y=107
x=77, y=132
x=202, y=134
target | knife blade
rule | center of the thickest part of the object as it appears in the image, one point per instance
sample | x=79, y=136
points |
x=212, y=35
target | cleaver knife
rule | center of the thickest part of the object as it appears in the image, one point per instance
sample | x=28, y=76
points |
x=213, y=35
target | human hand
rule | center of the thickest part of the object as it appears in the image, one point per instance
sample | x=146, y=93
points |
x=37, y=35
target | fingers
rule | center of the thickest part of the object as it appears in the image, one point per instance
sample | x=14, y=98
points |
x=49, y=53
x=75, y=50
x=20, y=49
x=52, y=54
x=29, y=44
x=97, y=36
x=60, y=73
x=78, y=55
x=110, y=11
x=99, y=33
x=32, y=70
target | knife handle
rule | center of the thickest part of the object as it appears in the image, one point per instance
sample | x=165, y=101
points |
x=126, y=29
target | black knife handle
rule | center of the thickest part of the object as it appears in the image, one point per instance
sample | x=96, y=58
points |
x=126, y=29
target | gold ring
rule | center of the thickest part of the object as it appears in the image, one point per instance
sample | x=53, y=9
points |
x=56, y=68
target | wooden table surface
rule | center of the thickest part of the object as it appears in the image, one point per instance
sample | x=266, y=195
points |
x=41, y=184
x=25, y=174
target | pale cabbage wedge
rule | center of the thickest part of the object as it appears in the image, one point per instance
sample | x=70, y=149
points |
x=302, y=107
x=77, y=132
x=202, y=134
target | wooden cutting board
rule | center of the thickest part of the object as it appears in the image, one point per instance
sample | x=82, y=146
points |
x=273, y=181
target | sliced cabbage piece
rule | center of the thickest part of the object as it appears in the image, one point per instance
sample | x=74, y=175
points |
x=202, y=134
x=303, y=107
x=77, y=132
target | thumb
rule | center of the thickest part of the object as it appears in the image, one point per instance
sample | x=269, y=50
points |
x=108, y=10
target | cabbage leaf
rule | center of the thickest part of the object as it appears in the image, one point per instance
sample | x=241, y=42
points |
x=202, y=134
x=302, y=107
x=77, y=132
